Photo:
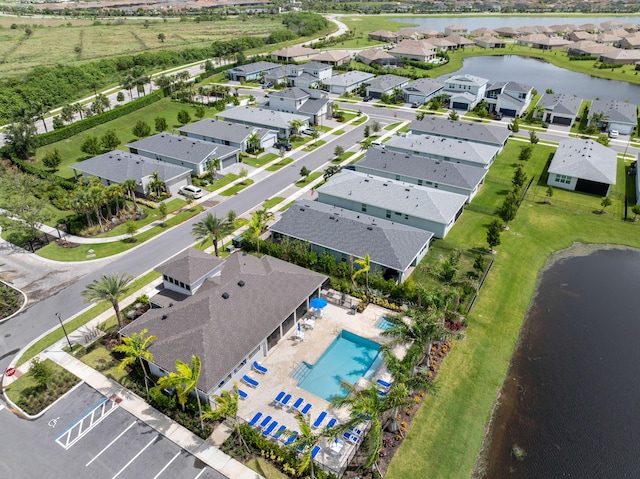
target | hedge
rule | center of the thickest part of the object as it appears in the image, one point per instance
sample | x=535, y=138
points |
x=82, y=125
x=44, y=174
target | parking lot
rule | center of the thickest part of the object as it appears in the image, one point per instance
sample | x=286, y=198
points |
x=88, y=435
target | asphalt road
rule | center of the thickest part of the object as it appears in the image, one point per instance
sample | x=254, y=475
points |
x=39, y=318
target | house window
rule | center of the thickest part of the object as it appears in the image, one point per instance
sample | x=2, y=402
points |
x=397, y=177
x=388, y=215
x=364, y=208
x=187, y=287
x=406, y=217
x=563, y=179
x=419, y=182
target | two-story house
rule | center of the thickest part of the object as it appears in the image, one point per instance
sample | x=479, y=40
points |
x=312, y=103
x=509, y=98
x=465, y=91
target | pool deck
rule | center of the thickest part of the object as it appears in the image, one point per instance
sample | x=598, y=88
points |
x=283, y=360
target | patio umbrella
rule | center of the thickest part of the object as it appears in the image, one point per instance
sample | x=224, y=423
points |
x=298, y=326
x=318, y=303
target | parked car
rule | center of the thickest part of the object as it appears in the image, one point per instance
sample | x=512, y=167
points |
x=416, y=104
x=614, y=133
x=283, y=144
x=309, y=131
x=497, y=116
x=191, y=190
x=367, y=98
x=267, y=85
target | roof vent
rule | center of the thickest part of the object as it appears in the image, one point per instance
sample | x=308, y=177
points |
x=385, y=184
x=164, y=316
x=241, y=283
x=225, y=295
x=369, y=228
x=332, y=217
x=171, y=305
x=407, y=189
x=301, y=209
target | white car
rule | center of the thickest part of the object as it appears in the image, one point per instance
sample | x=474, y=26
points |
x=613, y=134
x=191, y=190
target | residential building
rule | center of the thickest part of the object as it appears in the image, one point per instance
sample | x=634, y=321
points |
x=385, y=36
x=460, y=41
x=608, y=39
x=445, y=149
x=580, y=36
x=385, y=85
x=509, y=98
x=311, y=103
x=588, y=48
x=183, y=151
x=489, y=41
x=559, y=108
x=507, y=32
x=583, y=165
x=334, y=57
x=425, y=208
x=116, y=167
x=231, y=134
x=378, y=56
x=244, y=306
x=482, y=32
x=422, y=90
x=618, y=115
x=418, y=170
x=552, y=43
x=294, y=54
x=417, y=50
x=263, y=118
x=530, y=40
x=443, y=44
x=620, y=57
x=308, y=75
x=455, y=30
x=630, y=43
x=347, y=82
x=251, y=71
x=394, y=249
x=465, y=91
x=483, y=133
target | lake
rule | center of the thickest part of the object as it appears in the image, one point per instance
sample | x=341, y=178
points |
x=570, y=399
x=542, y=75
x=497, y=21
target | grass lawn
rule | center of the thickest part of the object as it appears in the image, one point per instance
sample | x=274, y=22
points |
x=314, y=145
x=280, y=164
x=222, y=182
x=360, y=121
x=345, y=156
x=82, y=319
x=152, y=215
x=237, y=188
x=366, y=24
x=270, y=203
x=286, y=207
x=69, y=149
x=304, y=182
x=265, y=469
x=338, y=132
x=392, y=125
x=101, y=359
x=261, y=161
x=102, y=250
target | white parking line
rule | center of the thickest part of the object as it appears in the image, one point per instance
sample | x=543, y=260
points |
x=167, y=465
x=1, y=407
x=111, y=443
x=201, y=473
x=136, y=456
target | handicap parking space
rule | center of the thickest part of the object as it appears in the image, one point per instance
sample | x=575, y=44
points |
x=75, y=438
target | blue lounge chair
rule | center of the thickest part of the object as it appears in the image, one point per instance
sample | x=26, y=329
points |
x=255, y=419
x=306, y=408
x=269, y=429
x=265, y=421
x=242, y=394
x=278, y=398
x=320, y=419
x=291, y=439
x=384, y=384
x=279, y=432
x=352, y=438
x=296, y=405
x=250, y=381
x=259, y=368
x=332, y=422
x=315, y=451
x=285, y=401
x=354, y=430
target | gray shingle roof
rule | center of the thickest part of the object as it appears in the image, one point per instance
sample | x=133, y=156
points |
x=182, y=148
x=615, y=110
x=387, y=243
x=349, y=78
x=118, y=166
x=221, y=130
x=442, y=172
x=463, y=130
x=222, y=332
x=426, y=86
x=585, y=159
x=291, y=92
x=417, y=201
x=255, y=67
x=467, y=80
x=189, y=266
x=261, y=116
x=436, y=146
x=561, y=103
x=313, y=105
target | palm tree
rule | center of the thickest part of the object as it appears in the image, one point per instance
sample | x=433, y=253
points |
x=365, y=266
x=210, y=227
x=305, y=440
x=136, y=348
x=253, y=142
x=369, y=404
x=212, y=167
x=127, y=83
x=227, y=403
x=185, y=380
x=295, y=125
x=130, y=187
x=156, y=183
x=108, y=288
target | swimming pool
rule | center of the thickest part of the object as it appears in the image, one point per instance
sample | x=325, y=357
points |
x=349, y=357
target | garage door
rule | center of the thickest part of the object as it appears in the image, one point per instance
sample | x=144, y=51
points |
x=456, y=105
x=592, y=187
x=508, y=112
x=558, y=120
x=228, y=161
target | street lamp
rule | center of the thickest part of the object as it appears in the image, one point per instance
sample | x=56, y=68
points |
x=64, y=330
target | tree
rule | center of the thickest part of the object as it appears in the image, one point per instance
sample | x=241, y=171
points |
x=533, y=138
x=141, y=129
x=514, y=126
x=185, y=380
x=120, y=96
x=305, y=172
x=525, y=154
x=161, y=124
x=211, y=227
x=367, y=131
x=108, y=288
x=258, y=224
x=606, y=201
x=67, y=113
x=365, y=267
x=200, y=111
x=420, y=116
x=509, y=207
x=338, y=151
x=39, y=110
x=453, y=115
x=243, y=174
x=598, y=119
x=91, y=146
x=603, y=139
x=136, y=348
x=156, y=184
x=41, y=372
x=549, y=91
x=130, y=187
x=52, y=159
x=549, y=194
x=493, y=234
x=110, y=140
x=100, y=104
x=162, y=210
x=305, y=441
x=161, y=37
x=296, y=125
x=227, y=406
x=375, y=126
x=519, y=178
x=20, y=138
x=57, y=122
x=184, y=117
x=212, y=167
x=368, y=405
x=253, y=142
x=636, y=211
x=330, y=171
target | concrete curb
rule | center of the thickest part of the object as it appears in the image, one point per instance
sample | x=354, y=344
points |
x=24, y=304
